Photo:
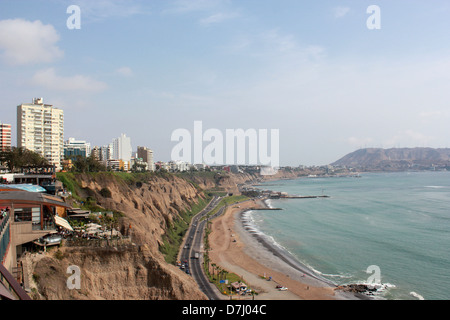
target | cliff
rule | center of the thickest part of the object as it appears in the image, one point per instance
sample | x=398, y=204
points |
x=158, y=208
x=130, y=273
x=151, y=205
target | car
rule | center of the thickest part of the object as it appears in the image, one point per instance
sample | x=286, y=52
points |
x=283, y=289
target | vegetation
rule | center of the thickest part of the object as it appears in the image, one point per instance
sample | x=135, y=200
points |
x=105, y=193
x=84, y=197
x=18, y=158
x=175, y=233
x=86, y=164
x=226, y=202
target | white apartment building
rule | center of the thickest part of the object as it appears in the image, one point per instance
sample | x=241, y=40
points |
x=106, y=152
x=40, y=128
x=122, y=148
x=178, y=165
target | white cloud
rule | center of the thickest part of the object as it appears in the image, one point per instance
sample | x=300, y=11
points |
x=276, y=45
x=125, y=71
x=187, y=6
x=217, y=18
x=360, y=142
x=340, y=12
x=100, y=10
x=434, y=114
x=49, y=79
x=25, y=42
x=409, y=138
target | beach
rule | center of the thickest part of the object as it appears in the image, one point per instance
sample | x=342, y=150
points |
x=253, y=258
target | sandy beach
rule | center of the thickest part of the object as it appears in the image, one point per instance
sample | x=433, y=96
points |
x=249, y=256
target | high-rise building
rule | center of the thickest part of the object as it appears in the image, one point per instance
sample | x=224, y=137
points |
x=40, y=128
x=95, y=153
x=106, y=152
x=73, y=148
x=146, y=155
x=5, y=137
x=122, y=148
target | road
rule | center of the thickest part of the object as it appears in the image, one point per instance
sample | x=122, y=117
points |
x=194, y=244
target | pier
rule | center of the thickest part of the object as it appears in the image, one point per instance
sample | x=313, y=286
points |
x=302, y=197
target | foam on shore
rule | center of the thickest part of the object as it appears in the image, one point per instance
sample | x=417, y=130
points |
x=270, y=253
x=259, y=244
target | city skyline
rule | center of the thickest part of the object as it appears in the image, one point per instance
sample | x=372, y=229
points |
x=314, y=71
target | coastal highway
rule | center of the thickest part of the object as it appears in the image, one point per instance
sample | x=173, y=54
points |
x=194, y=244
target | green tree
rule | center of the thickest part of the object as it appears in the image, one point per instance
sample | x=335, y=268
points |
x=89, y=164
x=17, y=158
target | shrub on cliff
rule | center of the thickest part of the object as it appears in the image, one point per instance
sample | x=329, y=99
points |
x=105, y=193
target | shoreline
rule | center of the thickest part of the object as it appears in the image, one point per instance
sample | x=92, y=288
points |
x=252, y=256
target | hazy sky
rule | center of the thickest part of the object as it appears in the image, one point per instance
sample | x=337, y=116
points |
x=311, y=69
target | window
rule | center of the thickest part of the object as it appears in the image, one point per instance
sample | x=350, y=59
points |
x=32, y=215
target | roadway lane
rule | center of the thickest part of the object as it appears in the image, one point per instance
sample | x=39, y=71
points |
x=194, y=244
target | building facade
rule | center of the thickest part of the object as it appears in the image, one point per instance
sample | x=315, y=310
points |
x=146, y=155
x=122, y=148
x=40, y=128
x=5, y=137
x=74, y=148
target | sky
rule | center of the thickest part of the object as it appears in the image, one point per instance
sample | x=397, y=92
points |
x=313, y=70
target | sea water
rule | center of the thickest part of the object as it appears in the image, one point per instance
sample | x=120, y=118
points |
x=397, y=222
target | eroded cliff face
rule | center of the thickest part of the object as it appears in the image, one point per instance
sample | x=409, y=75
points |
x=226, y=182
x=136, y=272
x=129, y=273
x=149, y=207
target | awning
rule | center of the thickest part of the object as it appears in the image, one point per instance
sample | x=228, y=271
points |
x=27, y=187
x=63, y=223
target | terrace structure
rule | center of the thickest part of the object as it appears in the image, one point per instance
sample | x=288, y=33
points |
x=26, y=217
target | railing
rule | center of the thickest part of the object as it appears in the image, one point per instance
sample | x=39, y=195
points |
x=47, y=224
x=3, y=222
x=12, y=285
x=4, y=236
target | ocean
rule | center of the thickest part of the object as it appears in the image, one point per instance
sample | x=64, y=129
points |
x=391, y=229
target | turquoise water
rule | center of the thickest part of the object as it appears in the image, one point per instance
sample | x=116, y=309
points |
x=399, y=222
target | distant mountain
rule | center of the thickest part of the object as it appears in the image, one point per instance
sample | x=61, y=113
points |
x=396, y=159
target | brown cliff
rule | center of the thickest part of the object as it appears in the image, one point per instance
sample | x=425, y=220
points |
x=150, y=206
